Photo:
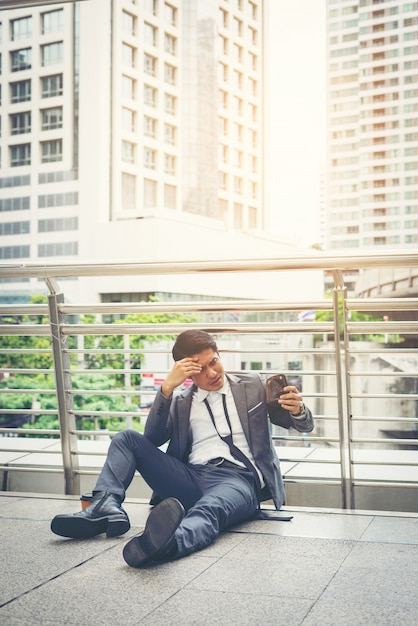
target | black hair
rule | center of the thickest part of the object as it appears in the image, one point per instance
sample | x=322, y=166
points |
x=191, y=342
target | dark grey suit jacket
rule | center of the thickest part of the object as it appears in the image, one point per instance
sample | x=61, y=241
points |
x=168, y=420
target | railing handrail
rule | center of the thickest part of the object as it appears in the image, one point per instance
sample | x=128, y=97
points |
x=338, y=420
x=318, y=261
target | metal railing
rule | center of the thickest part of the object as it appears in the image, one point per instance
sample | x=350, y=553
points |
x=355, y=388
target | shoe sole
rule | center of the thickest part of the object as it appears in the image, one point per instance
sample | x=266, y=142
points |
x=160, y=527
x=82, y=528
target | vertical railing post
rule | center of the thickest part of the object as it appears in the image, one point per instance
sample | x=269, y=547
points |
x=63, y=385
x=339, y=295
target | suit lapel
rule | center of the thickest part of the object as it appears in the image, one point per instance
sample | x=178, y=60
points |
x=240, y=397
x=184, y=404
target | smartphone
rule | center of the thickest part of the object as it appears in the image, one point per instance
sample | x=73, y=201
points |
x=275, y=387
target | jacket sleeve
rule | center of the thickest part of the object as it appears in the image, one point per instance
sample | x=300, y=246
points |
x=280, y=417
x=158, y=427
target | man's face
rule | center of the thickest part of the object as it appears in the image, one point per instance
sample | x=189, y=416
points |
x=211, y=378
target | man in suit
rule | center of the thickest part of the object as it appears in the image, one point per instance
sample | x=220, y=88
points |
x=219, y=464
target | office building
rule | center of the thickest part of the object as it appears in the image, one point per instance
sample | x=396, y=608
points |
x=372, y=190
x=132, y=129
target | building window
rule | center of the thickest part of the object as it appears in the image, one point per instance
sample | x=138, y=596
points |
x=169, y=134
x=150, y=126
x=51, y=118
x=20, y=155
x=57, y=224
x=238, y=217
x=21, y=28
x=51, y=150
x=150, y=65
x=149, y=158
x=58, y=199
x=52, y=53
x=150, y=35
x=128, y=191
x=15, y=228
x=52, y=22
x=21, y=59
x=20, y=123
x=169, y=103
x=14, y=204
x=128, y=88
x=150, y=193
x=128, y=152
x=237, y=184
x=150, y=6
x=150, y=96
x=128, y=120
x=169, y=74
x=169, y=15
x=170, y=197
x=52, y=86
x=21, y=91
x=252, y=217
x=66, y=248
x=169, y=164
x=128, y=55
x=128, y=23
x=14, y=252
x=169, y=44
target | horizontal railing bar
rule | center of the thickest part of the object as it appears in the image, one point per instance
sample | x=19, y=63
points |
x=24, y=329
x=385, y=440
x=377, y=350
x=305, y=440
x=31, y=391
x=26, y=351
x=29, y=412
x=106, y=413
x=108, y=392
x=383, y=483
x=375, y=418
x=393, y=373
x=393, y=396
x=382, y=327
x=310, y=481
x=31, y=431
x=106, y=267
x=382, y=304
x=212, y=328
x=93, y=433
x=385, y=462
x=23, y=309
x=201, y=306
x=40, y=470
x=24, y=370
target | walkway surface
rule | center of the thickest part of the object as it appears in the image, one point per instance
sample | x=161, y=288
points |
x=322, y=568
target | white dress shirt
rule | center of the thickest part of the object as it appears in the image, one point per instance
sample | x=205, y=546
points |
x=206, y=443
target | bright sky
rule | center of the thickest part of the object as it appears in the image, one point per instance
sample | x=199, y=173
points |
x=297, y=122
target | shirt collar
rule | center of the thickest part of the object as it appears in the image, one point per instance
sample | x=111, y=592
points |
x=202, y=394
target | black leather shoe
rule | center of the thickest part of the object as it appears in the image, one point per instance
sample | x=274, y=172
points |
x=104, y=515
x=157, y=542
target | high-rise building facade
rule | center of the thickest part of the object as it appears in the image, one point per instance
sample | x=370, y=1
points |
x=130, y=129
x=372, y=172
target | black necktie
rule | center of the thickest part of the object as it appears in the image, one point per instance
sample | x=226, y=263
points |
x=240, y=456
x=236, y=452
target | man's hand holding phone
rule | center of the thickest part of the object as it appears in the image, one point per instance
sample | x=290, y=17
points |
x=287, y=396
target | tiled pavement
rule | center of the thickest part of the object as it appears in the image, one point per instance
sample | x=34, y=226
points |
x=325, y=567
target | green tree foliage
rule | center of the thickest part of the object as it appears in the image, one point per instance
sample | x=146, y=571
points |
x=21, y=352
x=357, y=316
